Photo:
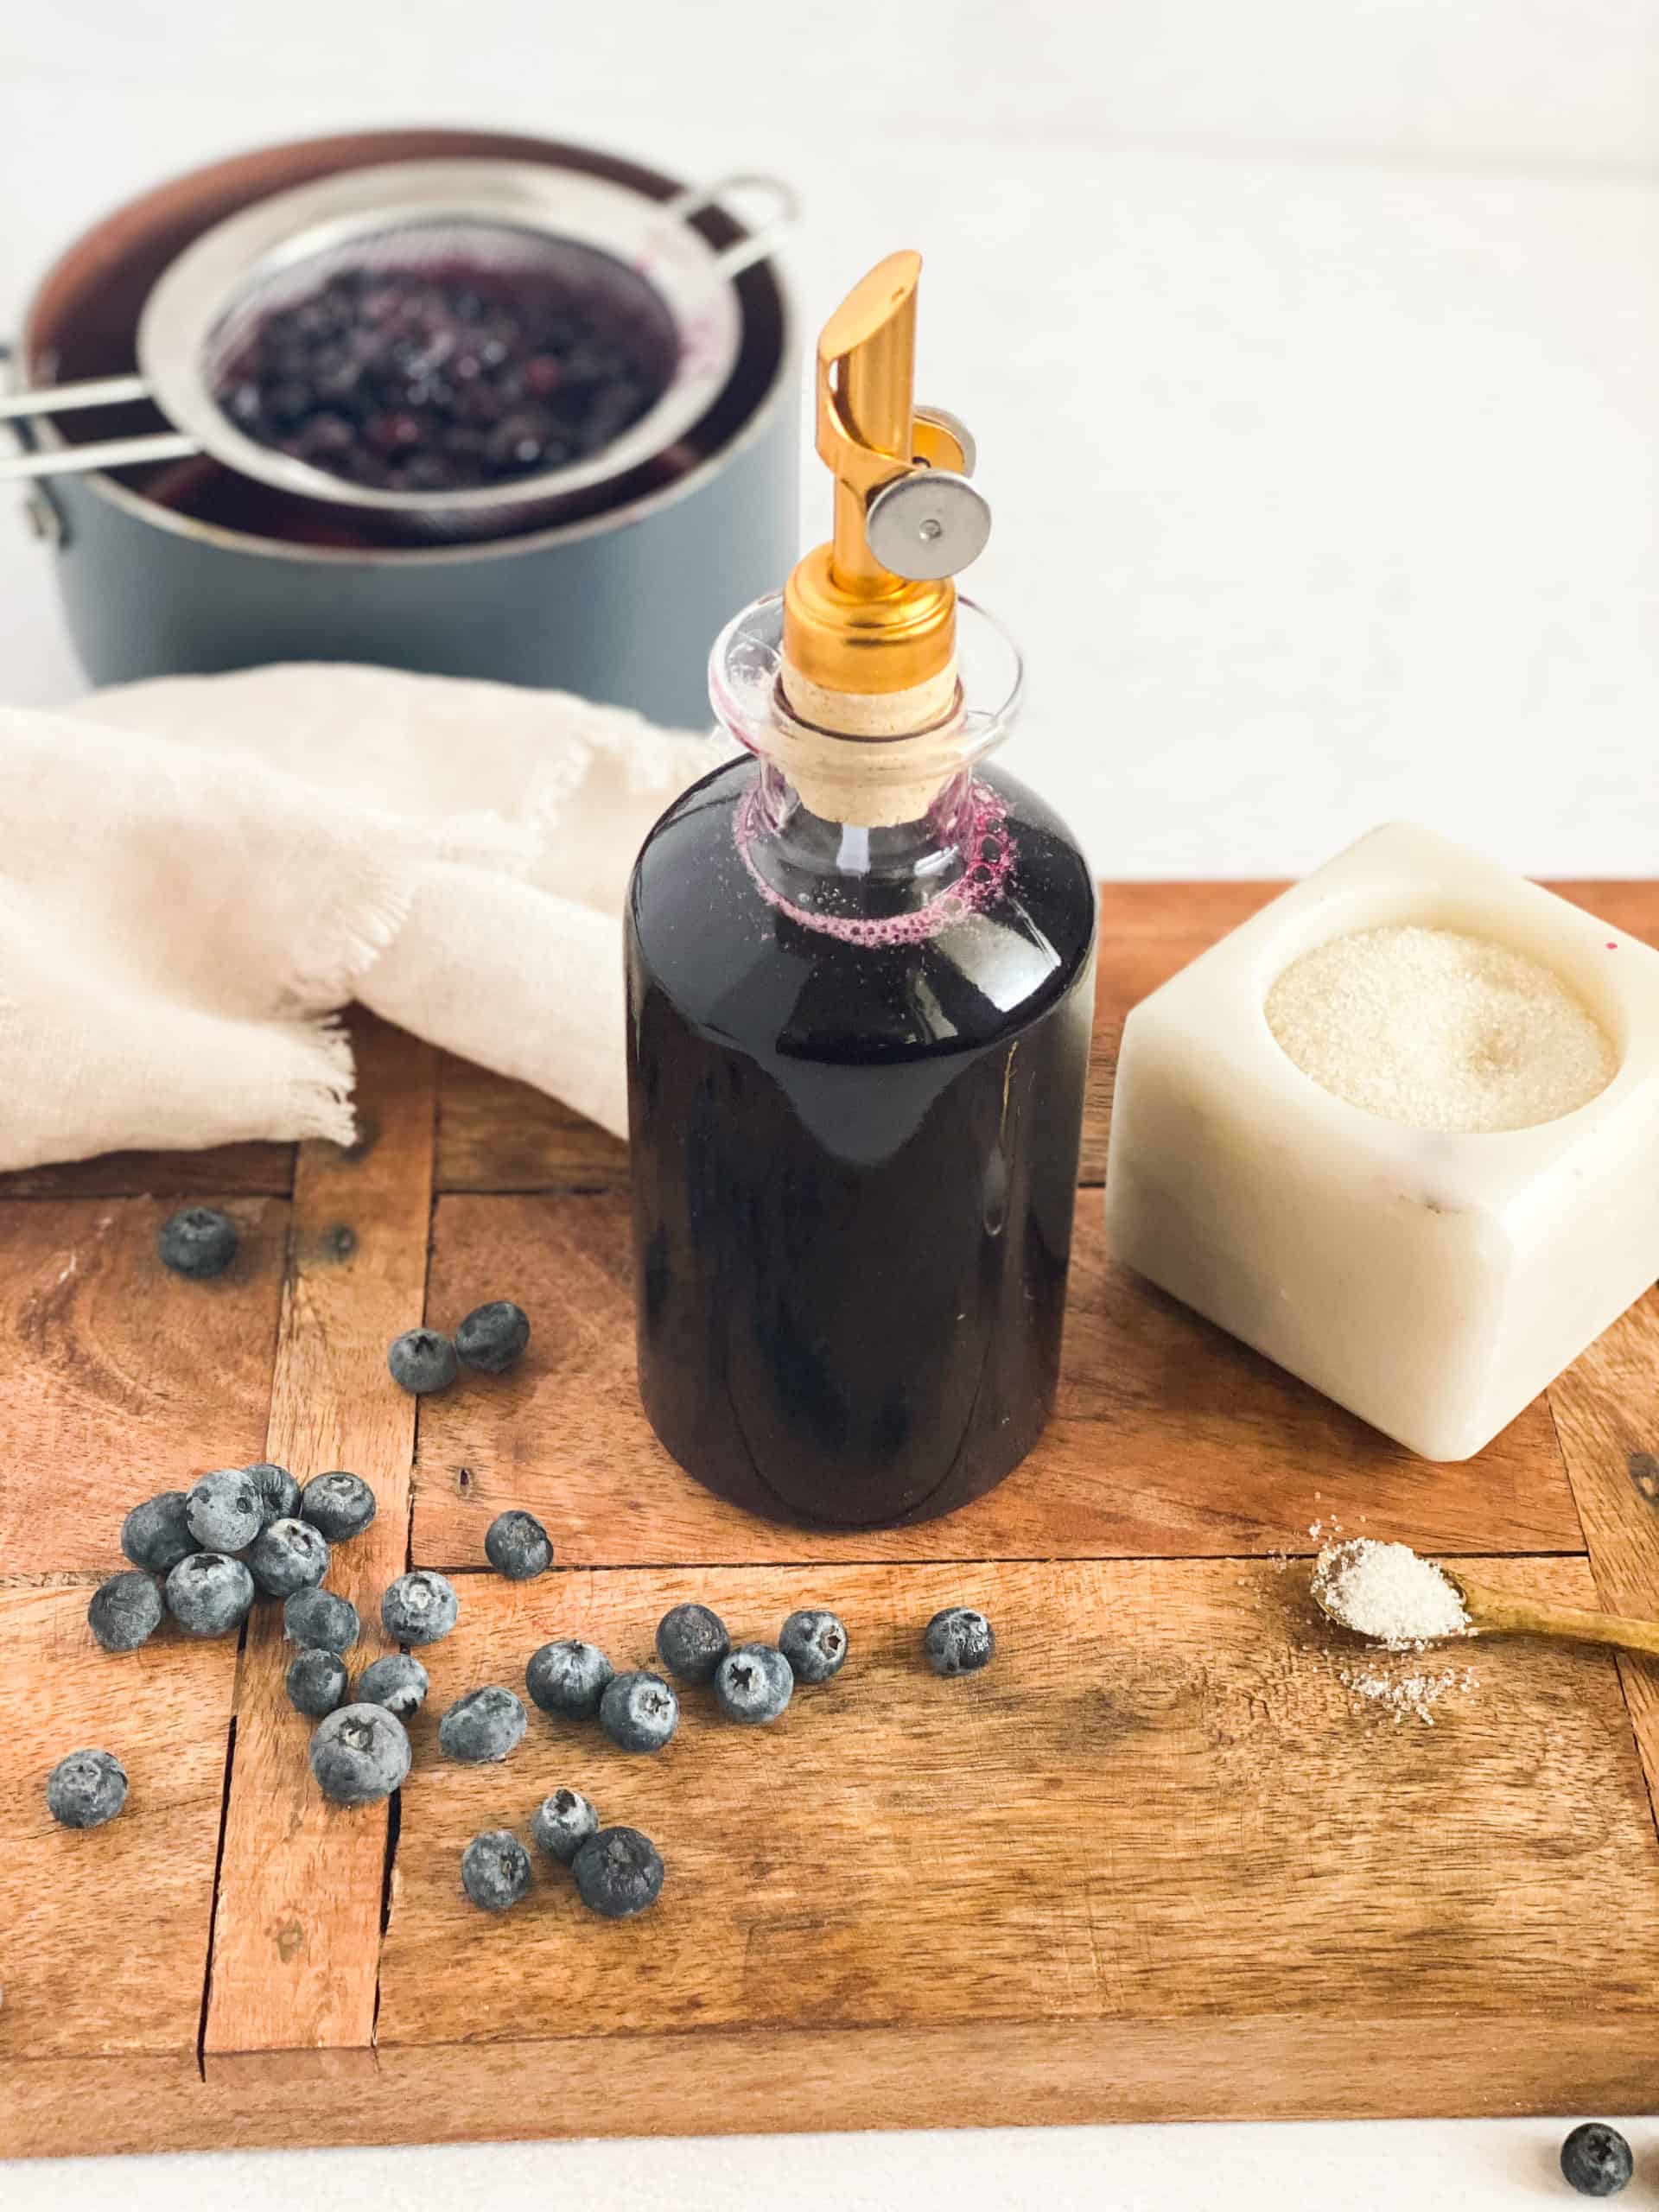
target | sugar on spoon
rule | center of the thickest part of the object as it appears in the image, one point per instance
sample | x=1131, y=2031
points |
x=1391, y=1596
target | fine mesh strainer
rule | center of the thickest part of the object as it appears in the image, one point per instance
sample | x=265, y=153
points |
x=658, y=278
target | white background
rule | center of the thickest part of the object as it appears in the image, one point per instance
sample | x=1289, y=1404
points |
x=1313, y=349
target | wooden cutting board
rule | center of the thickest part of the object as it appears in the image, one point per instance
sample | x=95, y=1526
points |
x=1158, y=1862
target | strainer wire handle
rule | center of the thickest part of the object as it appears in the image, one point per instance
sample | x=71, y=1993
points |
x=734, y=259
x=58, y=399
x=79, y=460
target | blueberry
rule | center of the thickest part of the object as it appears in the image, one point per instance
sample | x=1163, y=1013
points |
x=419, y=1608
x=398, y=1681
x=224, y=1511
x=569, y=1678
x=516, y=1545
x=421, y=1360
x=495, y=1869
x=359, y=1754
x=563, y=1823
x=316, y=1683
x=198, y=1241
x=640, y=1711
x=691, y=1642
x=753, y=1683
x=155, y=1535
x=279, y=1494
x=125, y=1612
x=1596, y=2159
x=338, y=1503
x=289, y=1555
x=815, y=1644
x=208, y=1594
x=86, y=1788
x=959, y=1641
x=619, y=1873
x=319, y=1620
x=483, y=1726
x=492, y=1338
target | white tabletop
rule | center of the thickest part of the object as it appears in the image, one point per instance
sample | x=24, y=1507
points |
x=1313, y=351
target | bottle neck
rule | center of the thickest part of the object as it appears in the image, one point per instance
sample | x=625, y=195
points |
x=828, y=868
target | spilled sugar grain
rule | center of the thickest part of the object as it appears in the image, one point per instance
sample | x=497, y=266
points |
x=1414, y=1695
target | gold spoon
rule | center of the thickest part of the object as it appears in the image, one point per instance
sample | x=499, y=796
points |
x=1493, y=1613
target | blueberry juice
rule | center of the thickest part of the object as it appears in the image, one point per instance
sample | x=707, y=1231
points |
x=856, y=1065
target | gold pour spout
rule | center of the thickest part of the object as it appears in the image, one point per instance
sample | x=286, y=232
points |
x=874, y=612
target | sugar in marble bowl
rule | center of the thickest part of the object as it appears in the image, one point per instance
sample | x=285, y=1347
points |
x=1399, y=1132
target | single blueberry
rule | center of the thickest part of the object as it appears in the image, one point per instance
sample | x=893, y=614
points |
x=619, y=1873
x=569, y=1678
x=562, y=1822
x=338, y=1503
x=155, y=1535
x=495, y=1869
x=359, y=1754
x=516, y=1545
x=691, y=1642
x=754, y=1684
x=815, y=1644
x=419, y=1607
x=86, y=1788
x=959, y=1641
x=492, y=1338
x=224, y=1511
x=1596, y=2159
x=198, y=1241
x=398, y=1681
x=638, y=1711
x=125, y=1612
x=319, y=1620
x=288, y=1555
x=279, y=1494
x=208, y=1594
x=316, y=1683
x=485, y=1725
x=421, y=1360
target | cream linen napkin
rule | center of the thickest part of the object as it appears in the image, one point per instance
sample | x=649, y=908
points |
x=197, y=873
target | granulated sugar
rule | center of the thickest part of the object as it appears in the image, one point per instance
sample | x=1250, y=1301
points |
x=1439, y=1030
x=1414, y=1695
x=1386, y=1592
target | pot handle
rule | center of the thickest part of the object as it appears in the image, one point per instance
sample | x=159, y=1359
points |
x=734, y=259
x=23, y=407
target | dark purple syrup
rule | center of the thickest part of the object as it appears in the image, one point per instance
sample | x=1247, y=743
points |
x=453, y=375
x=853, y=1163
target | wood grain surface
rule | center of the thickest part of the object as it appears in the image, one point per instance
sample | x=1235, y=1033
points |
x=1159, y=1861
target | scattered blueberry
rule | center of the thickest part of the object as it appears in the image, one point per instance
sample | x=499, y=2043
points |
x=562, y=1822
x=485, y=1725
x=359, y=1754
x=155, y=1535
x=319, y=1620
x=420, y=1607
x=516, y=1545
x=198, y=1241
x=316, y=1683
x=86, y=1788
x=959, y=1641
x=125, y=1612
x=569, y=1678
x=279, y=1494
x=421, y=1360
x=619, y=1873
x=208, y=1594
x=492, y=1338
x=753, y=1683
x=691, y=1642
x=224, y=1511
x=288, y=1555
x=495, y=1869
x=340, y=1504
x=398, y=1681
x=815, y=1644
x=1596, y=2159
x=638, y=1711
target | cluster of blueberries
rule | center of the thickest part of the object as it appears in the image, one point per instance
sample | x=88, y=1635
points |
x=491, y=1340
